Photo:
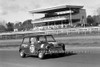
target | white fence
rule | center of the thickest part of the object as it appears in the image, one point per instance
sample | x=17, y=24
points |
x=58, y=31
x=74, y=30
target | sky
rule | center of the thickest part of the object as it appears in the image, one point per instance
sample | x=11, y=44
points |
x=18, y=10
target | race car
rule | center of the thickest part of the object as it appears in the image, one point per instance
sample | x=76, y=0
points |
x=40, y=45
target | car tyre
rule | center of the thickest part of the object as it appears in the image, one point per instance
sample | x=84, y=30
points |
x=22, y=54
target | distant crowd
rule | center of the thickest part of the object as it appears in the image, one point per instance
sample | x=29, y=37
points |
x=54, y=27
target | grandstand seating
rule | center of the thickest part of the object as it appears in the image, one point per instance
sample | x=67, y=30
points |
x=53, y=27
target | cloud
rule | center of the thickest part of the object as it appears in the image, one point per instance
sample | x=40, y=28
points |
x=19, y=8
x=1, y=10
x=17, y=5
x=16, y=10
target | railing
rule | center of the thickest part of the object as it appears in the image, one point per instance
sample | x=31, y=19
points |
x=72, y=30
x=67, y=31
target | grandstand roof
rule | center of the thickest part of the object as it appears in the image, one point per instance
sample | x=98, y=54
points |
x=57, y=9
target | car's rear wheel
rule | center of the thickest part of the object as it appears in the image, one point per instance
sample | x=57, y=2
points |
x=22, y=53
x=41, y=55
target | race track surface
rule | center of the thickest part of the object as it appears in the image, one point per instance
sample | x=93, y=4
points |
x=81, y=56
x=11, y=58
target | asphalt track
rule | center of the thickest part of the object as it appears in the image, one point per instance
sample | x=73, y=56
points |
x=84, y=57
x=90, y=57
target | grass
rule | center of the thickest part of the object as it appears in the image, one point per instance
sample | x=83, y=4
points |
x=86, y=41
x=82, y=42
x=2, y=46
x=10, y=43
x=73, y=34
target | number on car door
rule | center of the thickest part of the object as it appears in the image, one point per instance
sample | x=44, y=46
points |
x=26, y=45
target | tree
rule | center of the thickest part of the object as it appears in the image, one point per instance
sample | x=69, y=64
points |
x=2, y=28
x=97, y=16
x=10, y=26
x=90, y=20
x=27, y=25
x=96, y=19
x=18, y=26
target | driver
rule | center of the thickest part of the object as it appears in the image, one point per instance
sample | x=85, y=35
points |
x=33, y=40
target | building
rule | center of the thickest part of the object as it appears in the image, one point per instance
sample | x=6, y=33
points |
x=66, y=15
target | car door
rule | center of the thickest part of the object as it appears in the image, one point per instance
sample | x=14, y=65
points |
x=26, y=44
x=32, y=45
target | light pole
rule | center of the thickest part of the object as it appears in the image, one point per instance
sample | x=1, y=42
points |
x=70, y=17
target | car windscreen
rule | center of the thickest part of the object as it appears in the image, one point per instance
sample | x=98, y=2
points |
x=42, y=38
x=26, y=40
x=50, y=39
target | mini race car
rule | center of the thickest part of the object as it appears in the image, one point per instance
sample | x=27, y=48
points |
x=40, y=45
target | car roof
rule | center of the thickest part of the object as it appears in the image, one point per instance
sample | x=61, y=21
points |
x=35, y=35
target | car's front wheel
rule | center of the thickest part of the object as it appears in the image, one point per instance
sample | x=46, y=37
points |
x=41, y=55
x=22, y=54
x=63, y=46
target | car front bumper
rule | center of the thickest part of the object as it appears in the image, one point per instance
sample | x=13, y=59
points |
x=55, y=52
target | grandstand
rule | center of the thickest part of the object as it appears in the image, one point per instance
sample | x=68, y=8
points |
x=65, y=16
x=56, y=20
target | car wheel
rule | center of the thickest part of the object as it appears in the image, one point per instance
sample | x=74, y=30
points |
x=41, y=55
x=22, y=54
x=63, y=46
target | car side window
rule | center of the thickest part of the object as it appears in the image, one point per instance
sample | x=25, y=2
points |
x=42, y=39
x=26, y=40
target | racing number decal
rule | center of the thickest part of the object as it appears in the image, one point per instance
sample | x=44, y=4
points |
x=32, y=48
